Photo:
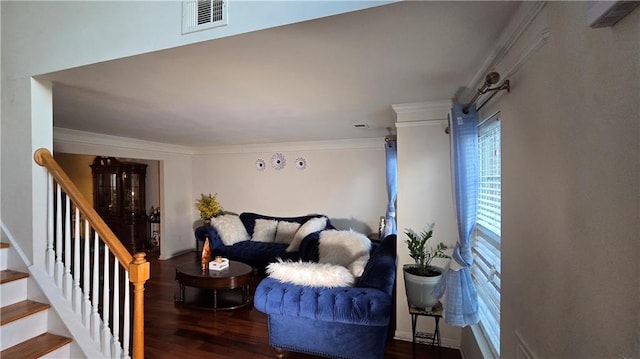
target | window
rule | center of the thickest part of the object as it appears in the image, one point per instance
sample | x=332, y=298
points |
x=486, y=239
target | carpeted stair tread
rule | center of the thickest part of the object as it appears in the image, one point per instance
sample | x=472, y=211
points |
x=9, y=275
x=35, y=347
x=20, y=310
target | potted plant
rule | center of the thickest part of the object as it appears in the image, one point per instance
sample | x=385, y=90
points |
x=208, y=206
x=421, y=277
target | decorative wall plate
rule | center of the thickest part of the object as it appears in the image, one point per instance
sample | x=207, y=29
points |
x=278, y=161
x=260, y=164
x=301, y=163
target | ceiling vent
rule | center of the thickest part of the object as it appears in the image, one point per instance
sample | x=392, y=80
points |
x=608, y=13
x=198, y=15
x=360, y=125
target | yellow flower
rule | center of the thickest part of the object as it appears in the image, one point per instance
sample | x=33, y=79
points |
x=208, y=206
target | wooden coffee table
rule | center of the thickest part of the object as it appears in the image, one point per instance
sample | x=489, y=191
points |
x=233, y=279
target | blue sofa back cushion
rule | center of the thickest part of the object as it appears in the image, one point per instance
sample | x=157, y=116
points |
x=380, y=270
x=249, y=220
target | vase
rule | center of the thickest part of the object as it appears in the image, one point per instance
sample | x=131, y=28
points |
x=419, y=288
x=206, y=254
x=206, y=222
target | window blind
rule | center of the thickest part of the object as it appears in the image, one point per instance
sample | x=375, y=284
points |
x=486, y=240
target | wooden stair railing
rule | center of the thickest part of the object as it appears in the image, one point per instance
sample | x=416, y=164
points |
x=136, y=267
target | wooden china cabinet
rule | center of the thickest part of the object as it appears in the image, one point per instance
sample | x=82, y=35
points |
x=118, y=197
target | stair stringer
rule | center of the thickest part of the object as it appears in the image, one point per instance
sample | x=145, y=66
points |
x=67, y=317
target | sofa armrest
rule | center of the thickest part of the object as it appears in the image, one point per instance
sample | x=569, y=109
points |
x=363, y=306
x=214, y=238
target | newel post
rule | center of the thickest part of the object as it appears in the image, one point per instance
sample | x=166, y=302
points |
x=138, y=274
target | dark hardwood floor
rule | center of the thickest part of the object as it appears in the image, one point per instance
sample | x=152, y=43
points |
x=185, y=332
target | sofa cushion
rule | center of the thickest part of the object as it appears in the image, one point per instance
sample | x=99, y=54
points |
x=310, y=274
x=230, y=229
x=380, y=270
x=285, y=231
x=357, y=266
x=249, y=219
x=264, y=230
x=310, y=226
x=342, y=247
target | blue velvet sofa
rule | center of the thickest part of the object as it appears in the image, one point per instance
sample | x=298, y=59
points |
x=344, y=322
x=256, y=254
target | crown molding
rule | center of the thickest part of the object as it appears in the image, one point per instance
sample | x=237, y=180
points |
x=422, y=123
x=422, y=111
x=376, y=143
x=67, y=138
x=520, y=22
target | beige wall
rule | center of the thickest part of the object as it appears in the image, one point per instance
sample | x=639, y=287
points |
x=571, y=192
x=343, y=179
x=78, y=170
x=424, y=197
x=345, y=183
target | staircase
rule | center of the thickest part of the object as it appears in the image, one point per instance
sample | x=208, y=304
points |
x=23, y=322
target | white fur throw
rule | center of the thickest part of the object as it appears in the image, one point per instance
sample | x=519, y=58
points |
x=310, y=274
x=346, y=248
x=310, y=226
x=264, y=230
x=286, y=231
x=357, y=267
x=230, y=229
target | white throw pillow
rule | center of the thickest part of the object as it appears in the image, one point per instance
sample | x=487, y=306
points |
x=357, y=267
x=310, y=274
x=286, y=231
x=230, y=229
x=342, y=247
x=310, y=226
x=264, y=230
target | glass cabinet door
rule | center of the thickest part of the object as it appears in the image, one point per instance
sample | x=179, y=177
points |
x=133, y=200
x=112, y=196
x=106, y=198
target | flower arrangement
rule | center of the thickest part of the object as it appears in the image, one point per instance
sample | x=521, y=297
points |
x=208, y=206
x=417, y=244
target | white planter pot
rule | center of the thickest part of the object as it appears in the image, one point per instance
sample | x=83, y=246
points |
x=419, y=288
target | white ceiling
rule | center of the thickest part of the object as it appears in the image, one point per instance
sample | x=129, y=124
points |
x=303, y=82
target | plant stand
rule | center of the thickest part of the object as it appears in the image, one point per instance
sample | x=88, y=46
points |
x=436, y=313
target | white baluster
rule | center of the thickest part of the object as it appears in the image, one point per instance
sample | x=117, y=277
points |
x=95, y=296
x=115, y=344
x=67, y=280
x=59, y=266
x=77, y=292
x=127, y=317
x=51, y=256
x=106, y=333
x=86, y=273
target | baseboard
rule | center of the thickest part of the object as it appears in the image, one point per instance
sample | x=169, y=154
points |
x=176, y=254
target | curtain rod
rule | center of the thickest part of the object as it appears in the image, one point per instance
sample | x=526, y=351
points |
x=492, y=78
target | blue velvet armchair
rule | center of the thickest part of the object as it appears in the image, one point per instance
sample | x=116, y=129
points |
x=345, y=322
